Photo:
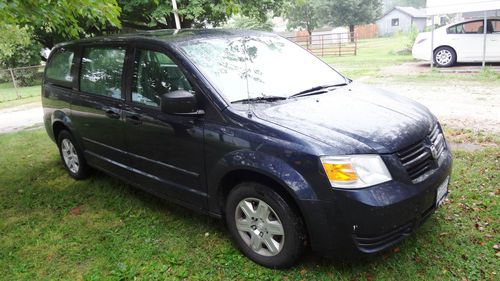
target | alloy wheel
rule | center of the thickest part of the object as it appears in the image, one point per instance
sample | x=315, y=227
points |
x=443, y=57
x=70, y=156
x=259, y=226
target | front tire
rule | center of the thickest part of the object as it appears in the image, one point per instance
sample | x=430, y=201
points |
x=445, y=56
x=264, y=226
x=72, y=156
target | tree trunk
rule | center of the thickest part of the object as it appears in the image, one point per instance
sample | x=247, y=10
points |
x=351, y=32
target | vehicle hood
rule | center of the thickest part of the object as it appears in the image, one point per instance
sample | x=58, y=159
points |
x=383, y=121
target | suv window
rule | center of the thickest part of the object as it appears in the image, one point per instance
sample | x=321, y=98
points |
x=494, y=25
x=101, y=71
x=154, y=75
x=59, y=66
x=472, y=27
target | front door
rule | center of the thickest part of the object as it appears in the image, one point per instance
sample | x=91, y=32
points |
x=467, y=40
x=166, y=151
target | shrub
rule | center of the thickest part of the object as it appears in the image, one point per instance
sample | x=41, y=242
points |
x=18, y=49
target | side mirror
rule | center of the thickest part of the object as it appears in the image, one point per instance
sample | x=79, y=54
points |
x=179, y=102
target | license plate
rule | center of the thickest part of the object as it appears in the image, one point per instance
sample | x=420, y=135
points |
x=442, y=191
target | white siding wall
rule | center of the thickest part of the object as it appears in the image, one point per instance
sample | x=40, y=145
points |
x=420, y=23
x=385, y=27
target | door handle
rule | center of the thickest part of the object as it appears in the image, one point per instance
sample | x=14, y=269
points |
x=133, y=119
x=112, y=114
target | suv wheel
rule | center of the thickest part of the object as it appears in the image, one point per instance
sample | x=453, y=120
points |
x=264, y=226
x=71, y=156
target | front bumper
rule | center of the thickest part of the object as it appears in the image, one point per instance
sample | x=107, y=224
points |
x=372, y=219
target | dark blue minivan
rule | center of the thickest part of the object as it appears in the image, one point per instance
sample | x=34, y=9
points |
x=251, y=128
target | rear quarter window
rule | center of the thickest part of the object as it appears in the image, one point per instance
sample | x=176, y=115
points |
x=59, y=67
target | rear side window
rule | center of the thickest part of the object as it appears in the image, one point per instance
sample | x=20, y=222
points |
x=59, y=66
x=101, y=71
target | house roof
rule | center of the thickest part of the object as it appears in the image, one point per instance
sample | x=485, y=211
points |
x=412, y=12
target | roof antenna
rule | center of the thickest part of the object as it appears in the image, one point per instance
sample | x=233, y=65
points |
x=249, y=110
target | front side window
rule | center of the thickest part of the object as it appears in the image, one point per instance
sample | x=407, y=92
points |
x=59, y=66
x=473, y=27
x=101, y=71
x=395, y=22
x=256, y=66
x=155, y=74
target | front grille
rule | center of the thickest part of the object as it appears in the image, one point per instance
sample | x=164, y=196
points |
x=420, y=158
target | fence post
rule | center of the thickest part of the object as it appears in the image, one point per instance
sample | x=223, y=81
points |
x=355, y=45
x=14, y=82
x=339, y=35
x=322, y=45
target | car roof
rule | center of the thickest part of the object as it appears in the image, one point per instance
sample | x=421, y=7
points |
x=173, y=36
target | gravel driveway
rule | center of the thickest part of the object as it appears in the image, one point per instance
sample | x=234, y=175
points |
x=472, y=105
x=20, y=117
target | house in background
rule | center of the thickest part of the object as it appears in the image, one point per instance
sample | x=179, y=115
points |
x=401, y=19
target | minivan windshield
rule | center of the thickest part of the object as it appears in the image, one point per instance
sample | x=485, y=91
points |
x=257, y=67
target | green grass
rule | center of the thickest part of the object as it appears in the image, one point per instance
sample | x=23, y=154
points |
x=53, y=227
x=485, y=77
x=373, y=55
x=12, y=103
x=8, y=92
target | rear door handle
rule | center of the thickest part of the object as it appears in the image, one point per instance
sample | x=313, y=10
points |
x=112, y=114
x=133, y=119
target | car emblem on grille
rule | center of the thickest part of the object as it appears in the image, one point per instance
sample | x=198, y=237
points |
x=434, y=151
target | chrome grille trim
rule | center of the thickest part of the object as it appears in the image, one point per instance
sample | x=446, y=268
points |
x=421, y=157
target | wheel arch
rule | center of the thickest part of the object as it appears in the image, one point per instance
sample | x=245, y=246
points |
x=240, y=175
x=441, y=46
x=237, y=176
x=57, y=127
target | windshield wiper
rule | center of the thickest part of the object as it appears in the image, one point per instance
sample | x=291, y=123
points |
x=316, y=90
x=258, y=99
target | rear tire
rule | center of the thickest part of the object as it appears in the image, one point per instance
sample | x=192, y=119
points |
x=72, y=156
x=445, y=56
x=264, y=226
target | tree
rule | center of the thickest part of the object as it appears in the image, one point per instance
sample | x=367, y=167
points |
x=303, y=13
x=17, y=49
x=351, y=12
x=58, y=20
x=242, y=22
x=147, y=14
x=389, y=4
x=259, y=10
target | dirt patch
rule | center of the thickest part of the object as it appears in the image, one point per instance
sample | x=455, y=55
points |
x=420, y=67
x=471, y=105
x=20, y=117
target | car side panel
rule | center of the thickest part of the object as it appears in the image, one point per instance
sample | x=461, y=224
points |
x=56, y=101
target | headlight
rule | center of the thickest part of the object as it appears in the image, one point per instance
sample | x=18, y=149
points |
x=355, y=171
